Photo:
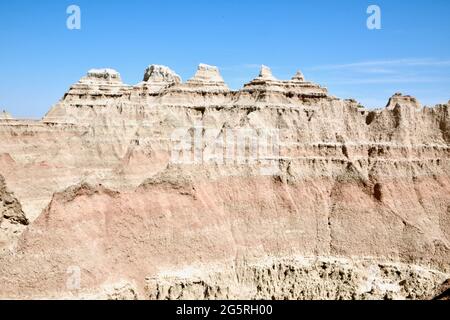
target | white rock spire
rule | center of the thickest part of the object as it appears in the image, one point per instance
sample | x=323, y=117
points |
x=159, y=73
x=266, y=73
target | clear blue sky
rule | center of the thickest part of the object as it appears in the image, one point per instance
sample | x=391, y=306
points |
x=328, y=40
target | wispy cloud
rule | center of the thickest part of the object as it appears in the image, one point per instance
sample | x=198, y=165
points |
x=383, y=64
x=388, y=80
x=374, y=70
x=393, y=71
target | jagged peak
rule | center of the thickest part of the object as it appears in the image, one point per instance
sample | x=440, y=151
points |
x=207, y=78
x=160, y=73
x=266, y=73
x=297, y=86
x=398, y=99
x=298, y=76
x=207, y=73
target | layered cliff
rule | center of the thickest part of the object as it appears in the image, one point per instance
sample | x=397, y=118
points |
x=171, y=189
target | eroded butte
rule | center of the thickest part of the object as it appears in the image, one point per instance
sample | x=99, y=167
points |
x=356, y=205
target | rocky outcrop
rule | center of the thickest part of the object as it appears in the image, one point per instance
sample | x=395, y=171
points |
x=12, y=218
x=356, y=204
x=207, y=84
x=443, y=291
x=291, y=88
x=158, y=73
x=398, y=100
x=10, y=207
x=96, y=89
x=207, y=75
x=157, y=78
x=318, y=278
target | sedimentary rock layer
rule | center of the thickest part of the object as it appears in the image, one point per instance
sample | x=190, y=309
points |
x=356, y=203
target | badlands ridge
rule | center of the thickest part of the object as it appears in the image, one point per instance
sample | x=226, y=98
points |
x=93, y=205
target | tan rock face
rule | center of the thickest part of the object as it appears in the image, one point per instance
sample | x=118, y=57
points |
x=206, y=73
x=266, y=73
x=158, y=77
x=356, y=204
x=399, y=100
x=298, y=77
x=266, y=88
x=11, y=209
x=207, y=78
x=12, y=218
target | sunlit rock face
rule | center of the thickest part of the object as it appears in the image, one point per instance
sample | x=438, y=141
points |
x=356, y=204
x=398, y=100
x=157, y=77
x=158, y=73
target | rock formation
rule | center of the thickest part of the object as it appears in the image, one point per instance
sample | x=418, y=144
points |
x=399, y=100
x=207, y=78
x=157, y=77
x=265, y=73
x=267, y=89
x=356, y=204
x=12, y=218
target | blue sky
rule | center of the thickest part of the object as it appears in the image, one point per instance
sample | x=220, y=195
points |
x=328, y=40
